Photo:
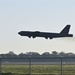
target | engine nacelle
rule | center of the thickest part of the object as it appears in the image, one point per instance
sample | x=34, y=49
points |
x=29, y=36
x=46, y=37
x=34, y=36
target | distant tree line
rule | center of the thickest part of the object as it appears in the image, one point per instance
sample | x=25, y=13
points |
x=11, y=54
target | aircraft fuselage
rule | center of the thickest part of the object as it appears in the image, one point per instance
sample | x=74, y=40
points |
x=63, y=33
x=43, y=34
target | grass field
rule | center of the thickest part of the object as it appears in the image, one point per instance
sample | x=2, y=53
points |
x=39, y=69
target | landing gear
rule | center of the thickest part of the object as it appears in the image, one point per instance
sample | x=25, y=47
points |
x=46, y=37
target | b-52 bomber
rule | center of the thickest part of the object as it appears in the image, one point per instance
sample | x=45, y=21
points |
x=63, y=33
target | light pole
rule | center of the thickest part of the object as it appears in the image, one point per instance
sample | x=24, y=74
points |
x=61, y=65
x=29, y=64
x=0, y=66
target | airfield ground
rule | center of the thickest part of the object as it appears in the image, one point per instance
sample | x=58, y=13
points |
x=39, y=69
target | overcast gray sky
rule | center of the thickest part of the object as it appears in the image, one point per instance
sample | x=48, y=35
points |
x=36, y=15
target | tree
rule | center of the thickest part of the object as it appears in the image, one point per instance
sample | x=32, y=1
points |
x=70, y=54
x=46, y=54
x=33, y=54
x=62, y=54
x=11, y=53
x=54, y=53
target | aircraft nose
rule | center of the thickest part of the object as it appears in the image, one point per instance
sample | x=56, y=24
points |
x=19, y=33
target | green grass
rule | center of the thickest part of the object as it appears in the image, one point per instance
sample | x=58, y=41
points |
x=39, y=69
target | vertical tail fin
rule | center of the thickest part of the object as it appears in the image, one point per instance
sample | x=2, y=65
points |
x=65, y=30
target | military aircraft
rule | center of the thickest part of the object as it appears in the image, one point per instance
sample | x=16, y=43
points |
x=63, y=33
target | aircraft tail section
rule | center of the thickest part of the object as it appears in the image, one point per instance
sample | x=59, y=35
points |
x=65, y=30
